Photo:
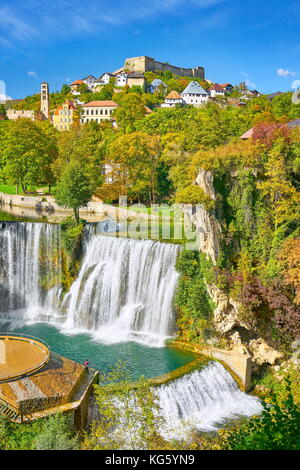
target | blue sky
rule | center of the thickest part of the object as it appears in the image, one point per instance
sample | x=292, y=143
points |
x=63, y=40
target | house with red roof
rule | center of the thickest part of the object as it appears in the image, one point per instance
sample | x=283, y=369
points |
x=65, y=116
x=216, y=91
x=98, y=111
x=228, y=87
x=75, y=86
x=173, y=99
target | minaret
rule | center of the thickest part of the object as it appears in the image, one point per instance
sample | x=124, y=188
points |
x=45, y=100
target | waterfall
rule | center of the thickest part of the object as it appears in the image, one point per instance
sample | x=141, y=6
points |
x=29, y=253
x=203, y=400
x=125, y=290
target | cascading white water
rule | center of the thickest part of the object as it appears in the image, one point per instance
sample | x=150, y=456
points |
x=22, y=271
x=125, y=290
x=203, y=400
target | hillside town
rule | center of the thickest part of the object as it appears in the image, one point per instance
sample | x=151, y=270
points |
x=137, y=76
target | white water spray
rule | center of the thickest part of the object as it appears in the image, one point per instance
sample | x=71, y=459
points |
x=203, y=400
x=125, y=290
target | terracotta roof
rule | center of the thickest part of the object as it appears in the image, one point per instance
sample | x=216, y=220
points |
x=248, y=134
x=70, y=103
x=148, y=110
x=223, y=85
x=173, y=95
x=95, y=104
x=77, y=82
x=217, y=87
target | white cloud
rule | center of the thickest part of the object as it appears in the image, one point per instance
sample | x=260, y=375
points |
x=14, y=25
x=296, y=84
x=249, y=83
x=285, y=73
x=4, y=97
x=32, y=74
x=25, y=20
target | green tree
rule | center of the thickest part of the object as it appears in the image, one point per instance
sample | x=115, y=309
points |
x=65, y=89
x=75, y=188
x=131, y=108
x=133, y=160
x=278, y=427
x=27, y=152
x=52, y=433
x=129, y=417
x=2, y=110
x=282, y=197
x=56, y=434
x=83, y=88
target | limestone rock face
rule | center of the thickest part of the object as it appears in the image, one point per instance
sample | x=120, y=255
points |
x=205, y=181
x=262, y=352
x=207, y=226
x=226, y=314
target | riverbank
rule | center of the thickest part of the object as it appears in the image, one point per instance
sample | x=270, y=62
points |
x=45, y=206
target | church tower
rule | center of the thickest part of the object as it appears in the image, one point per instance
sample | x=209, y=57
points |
x=45, y=100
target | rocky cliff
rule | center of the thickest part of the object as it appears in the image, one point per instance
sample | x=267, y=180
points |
x=227, y=318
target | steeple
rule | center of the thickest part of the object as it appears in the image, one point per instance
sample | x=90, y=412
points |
x=45, y=100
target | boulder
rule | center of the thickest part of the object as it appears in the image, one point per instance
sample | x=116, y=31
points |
x=262, y=352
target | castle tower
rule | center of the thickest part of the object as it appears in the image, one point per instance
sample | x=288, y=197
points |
x=45, y=100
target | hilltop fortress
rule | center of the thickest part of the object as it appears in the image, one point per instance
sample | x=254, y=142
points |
x=148, y=64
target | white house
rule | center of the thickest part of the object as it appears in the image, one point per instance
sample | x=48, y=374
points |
x=194, y=94
x=156, y=84
x=172, y=99
x=105, y=77
x=97, y=111
x=227, y=87
x=89, y=81
x=121, y=79
x=217, y=91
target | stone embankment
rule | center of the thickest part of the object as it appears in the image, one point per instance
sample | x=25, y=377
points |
x=46, y=205
x=237, y=363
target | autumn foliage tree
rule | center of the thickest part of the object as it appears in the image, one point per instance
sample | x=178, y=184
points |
x=132, y=164
x=289, y=258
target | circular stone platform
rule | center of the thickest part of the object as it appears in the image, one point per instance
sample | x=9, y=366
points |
x=21, y=355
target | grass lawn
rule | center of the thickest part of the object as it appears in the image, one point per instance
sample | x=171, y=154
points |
x=11, y=189
x=8, y=189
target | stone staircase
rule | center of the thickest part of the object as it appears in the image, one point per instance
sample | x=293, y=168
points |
x=9, y=411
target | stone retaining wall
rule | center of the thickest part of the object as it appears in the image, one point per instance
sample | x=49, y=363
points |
x=238, y=363
x=93, y=207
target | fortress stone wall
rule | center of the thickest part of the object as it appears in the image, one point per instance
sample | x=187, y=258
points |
x=148, y=64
